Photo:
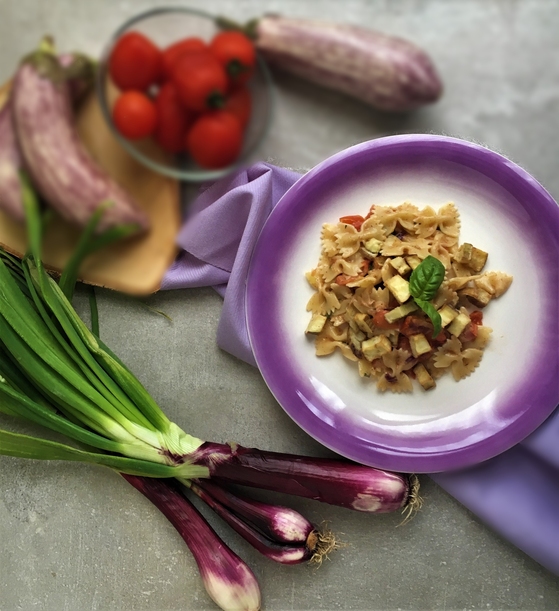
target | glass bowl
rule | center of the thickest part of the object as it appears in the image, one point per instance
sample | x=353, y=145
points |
x=165, y=26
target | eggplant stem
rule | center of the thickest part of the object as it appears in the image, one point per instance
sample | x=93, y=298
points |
x=415, y=502
x=47, y=45
x=322, y=543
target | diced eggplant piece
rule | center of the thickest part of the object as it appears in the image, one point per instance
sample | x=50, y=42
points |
x=459, y=324
x=464, y=254
x=478, y=297
x=419, y=344
x=423, y=377
x=400, y=311
x=400, y=265
x=377, y=346
x=316, y=324
x=373, y=245
x=472, y=257
x=478, y=260
x=413, y=261
x=361, y=321
x=399, y=287
x=448, y=314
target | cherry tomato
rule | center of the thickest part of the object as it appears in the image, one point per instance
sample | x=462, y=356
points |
x=239, y=103
x=172, y=119
x=356, y=220
x=215, y=140
x=200, y=80
x=135, y=62
x=135, y=115
x=173, y=53
x=236, y=54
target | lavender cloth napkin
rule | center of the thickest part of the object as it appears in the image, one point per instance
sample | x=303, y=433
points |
x=516, y=493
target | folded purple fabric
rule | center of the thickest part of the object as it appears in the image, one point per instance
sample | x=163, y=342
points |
x=516, y=493
x=217, y=241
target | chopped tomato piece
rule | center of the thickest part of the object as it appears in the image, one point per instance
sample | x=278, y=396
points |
x=356, y=220
x=380, y=322
x=343, y=279
x=469, y=333
x=477, y=317
x=439, y=340
x=413, y=325
x=404, y=343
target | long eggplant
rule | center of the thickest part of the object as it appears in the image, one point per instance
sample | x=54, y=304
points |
x=10, y=164
x=384, y=71
x=61, y=168
x=79, y=72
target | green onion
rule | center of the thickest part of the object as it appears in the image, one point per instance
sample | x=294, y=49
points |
x=57, y=373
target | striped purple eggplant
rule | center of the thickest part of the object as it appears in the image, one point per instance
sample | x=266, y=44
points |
x=10, y=165
x=61, y=169
x=227, y=579
x=384, y=71
x=79, y=72
x=337, y=482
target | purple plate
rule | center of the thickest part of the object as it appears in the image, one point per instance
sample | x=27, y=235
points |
x=503, y=211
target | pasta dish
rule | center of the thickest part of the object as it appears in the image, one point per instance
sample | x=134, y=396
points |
x=396, y=293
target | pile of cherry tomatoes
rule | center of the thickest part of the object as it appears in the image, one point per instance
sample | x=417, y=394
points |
x=190, y=97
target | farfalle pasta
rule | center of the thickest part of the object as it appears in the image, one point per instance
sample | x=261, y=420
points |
x=364, y=305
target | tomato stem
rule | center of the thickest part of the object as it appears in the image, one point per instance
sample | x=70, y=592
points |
x=216, y=100
x=235, y=68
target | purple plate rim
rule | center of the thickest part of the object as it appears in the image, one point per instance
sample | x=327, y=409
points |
x=531, y=406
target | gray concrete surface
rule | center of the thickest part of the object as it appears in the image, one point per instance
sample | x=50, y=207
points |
x=79, y=538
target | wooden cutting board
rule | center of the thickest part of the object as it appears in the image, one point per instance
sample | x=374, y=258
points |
x=136, y=265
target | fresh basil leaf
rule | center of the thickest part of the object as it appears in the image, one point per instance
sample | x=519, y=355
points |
x=426, y=278
x=431, y=311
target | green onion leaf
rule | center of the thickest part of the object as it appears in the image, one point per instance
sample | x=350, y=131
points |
x=94, y=312
x=88, y=244
x=25, y=446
